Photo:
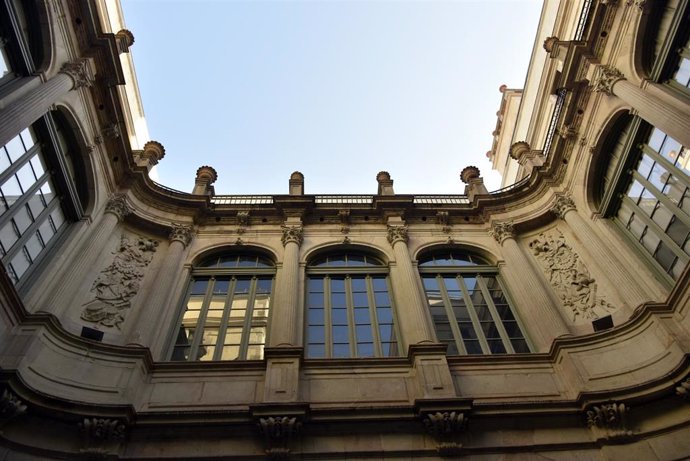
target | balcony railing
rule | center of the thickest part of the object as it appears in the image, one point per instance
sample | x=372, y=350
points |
x=242, y=199
x=582, y=22
x=440, y=199
x=344, y=199
x=555, y=117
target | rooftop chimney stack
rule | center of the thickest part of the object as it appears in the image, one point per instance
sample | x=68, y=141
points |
x=205, y=177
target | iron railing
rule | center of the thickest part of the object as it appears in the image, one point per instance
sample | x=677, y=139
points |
x=582, y=22
x=515, y=185
x=242, y=199
x=555, y=117
x=440, y=199
x=344, y=199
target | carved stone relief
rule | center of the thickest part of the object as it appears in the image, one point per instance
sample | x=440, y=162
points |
x=569, y=278
x=445, y=427
x=118, y=283
x=101, y=436
x=10, y=407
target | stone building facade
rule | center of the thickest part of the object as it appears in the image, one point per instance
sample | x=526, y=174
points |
x=549, y=319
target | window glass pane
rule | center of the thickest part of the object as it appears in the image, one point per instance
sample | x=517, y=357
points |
x=316, y=334
x=316, y=351
x=8, y=236
x=20, y=263
x=264, y=286
x=28, y=138
x=473, y=347
x=36, y=204
x=199, y=286
x=4, y=160
x=339, y=316
x=57, y=217
x=11, y=190
x=46, y=231
x=34, y=246
x=15, y=148
x=255, y=352
x=220, y=286
x=365, y=350
x=362, y=316
x=364, y=333
x=341, y=350
x=340, y=334
x=645, y=166
x=26, y=177
x=316, y=316
x=230, y=352
x=656, y=139
x=22, y=219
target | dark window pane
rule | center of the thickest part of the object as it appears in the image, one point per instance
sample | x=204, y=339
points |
x=339, y=316
x=264, y=285
x=384, y=315
x=359, y=284
x=316, y=350
x=220, y=286
x=490, y=330
x=360, y=299
x=316, y=316
x=496, y=347
x=379, y=284
x=473, y=347
x=362, y=316
x=382, y=299
x=386, y=333
x=338, y=300
x=199, y=286
x=364, y=334
x=467, y=330
x=315, y=334
x=365, y=350
x=315, y=285
x=340, y=334
x=315, y=299
x=338, y=285
x=520, y=346
x=341, y=350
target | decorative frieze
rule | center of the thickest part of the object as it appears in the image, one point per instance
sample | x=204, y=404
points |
x=278, y=431
x=117, y=205
x=606, y=77
x=10, y=406
x=118, y=283
x=181, y=233
x=294, y=234
x=501, y=231
x=397, y=234
x=569, y=278
x=609, y=421
x=564, y=204
x=79, y=72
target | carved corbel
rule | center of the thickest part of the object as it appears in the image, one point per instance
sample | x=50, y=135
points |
x=10, y=407
x=242, y=221
x=344, y=216
x=444, y=427
x=102, y=436
x=278, y=431
x=608, y=421
x=683, y=390
x=443, y=218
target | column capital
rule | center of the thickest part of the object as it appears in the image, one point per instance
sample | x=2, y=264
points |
x=117, y=205
x=501, y=231
x=181, y=233
x=397, y=234
x=563, y=204
x=293, y=234
x=80, y=73
x=604, y=79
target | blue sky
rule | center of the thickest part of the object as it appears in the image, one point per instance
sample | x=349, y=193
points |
x=336, y=89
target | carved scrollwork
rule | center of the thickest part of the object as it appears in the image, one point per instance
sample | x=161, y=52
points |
x=294, y=234
x=610, y=419
x=278, y=431
x=501, y=231
x=117, y=205
x=118, y=283
x=569, y=278
x=101, y=436
x=181, y=233
x=79, y=72
x=563, y=205
x=397, y=234
x=10, y=406
x=606, y=77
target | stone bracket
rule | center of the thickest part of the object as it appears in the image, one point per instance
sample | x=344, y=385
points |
x=445, y=420
x=279, y=424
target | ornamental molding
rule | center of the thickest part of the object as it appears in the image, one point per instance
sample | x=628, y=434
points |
x=397, y=234
x=444, y=427
x=79, y=72
x=278, y=432
x=101, y=436
x=605, y=78
x=639, y=4
x=344, y=216
x=569, y=278
x=117, y=205
x=181, y=233
x=118, y=283
x=563, y=204
x=501, y=231
x=609, y=421
x=294, y=234
x=10, y=407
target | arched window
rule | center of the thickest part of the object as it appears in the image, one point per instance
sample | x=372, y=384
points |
x=35, y=197
x=468, y=307
x=226, y=309
x=349, y=308
x=655, y=198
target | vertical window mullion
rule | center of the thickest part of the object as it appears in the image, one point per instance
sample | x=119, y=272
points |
x=351, y=326
x=378, y=351
x=201, y=324
x=328, y=318
x=515, y=313
x=494, y=314
x=222, y=328
x=450, y=315
x=473, y=314
x=248, y=316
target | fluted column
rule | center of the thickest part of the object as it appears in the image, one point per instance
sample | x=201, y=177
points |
x=285, y=309
x=411, y=305
x=24, y=111
x=538, y=309
x=115, y=211
x=668, y=118
x=158, y=302
x=628, y=287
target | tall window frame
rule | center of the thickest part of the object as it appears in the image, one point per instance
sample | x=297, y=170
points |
x=470, y=310
x=349, y=308
x=226, y=309
x=653, y=206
